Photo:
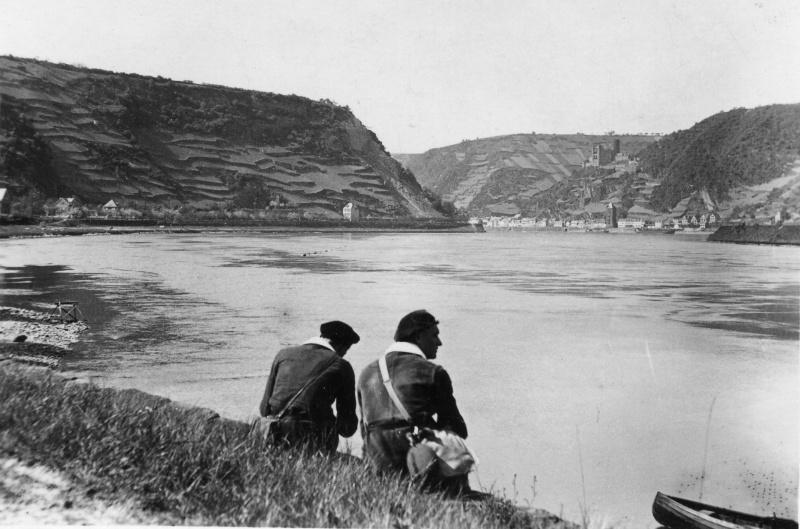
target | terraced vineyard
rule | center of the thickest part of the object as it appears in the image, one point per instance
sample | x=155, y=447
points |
x=502, y=172
x=138, y=139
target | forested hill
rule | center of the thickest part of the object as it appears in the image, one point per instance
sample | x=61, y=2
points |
x=720, y=154
x=100, y=135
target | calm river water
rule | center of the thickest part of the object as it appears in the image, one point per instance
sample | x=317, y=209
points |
x=592, y=369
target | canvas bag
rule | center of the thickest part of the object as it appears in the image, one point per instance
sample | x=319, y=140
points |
x=453, y=456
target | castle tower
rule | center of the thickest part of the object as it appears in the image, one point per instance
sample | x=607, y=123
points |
x=597, y=150
x=611, y=215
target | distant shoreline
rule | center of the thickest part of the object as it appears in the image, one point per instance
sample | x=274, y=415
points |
x=75, y=228
x=787, y=235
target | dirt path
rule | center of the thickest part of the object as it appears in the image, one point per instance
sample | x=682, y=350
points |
x=34, y=494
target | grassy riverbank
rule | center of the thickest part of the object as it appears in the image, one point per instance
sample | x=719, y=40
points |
x=190, y=467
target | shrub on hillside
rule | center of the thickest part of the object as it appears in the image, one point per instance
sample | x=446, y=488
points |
x=445, y=207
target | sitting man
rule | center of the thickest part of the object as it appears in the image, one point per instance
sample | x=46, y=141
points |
x=303, y=384
x=424, y=389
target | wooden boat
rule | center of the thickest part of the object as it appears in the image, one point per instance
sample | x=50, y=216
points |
x=678, y=513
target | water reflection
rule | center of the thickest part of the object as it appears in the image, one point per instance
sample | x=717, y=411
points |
x=772, y=311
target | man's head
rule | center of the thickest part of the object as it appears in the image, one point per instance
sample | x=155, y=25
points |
x=421, y=329
x=341, y=336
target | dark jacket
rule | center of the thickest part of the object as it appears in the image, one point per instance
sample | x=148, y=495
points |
x=292, y=368
x=425, y=390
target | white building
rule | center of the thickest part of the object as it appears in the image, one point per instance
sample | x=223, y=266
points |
x=350, y=212
x=110, y=208
x=630, y=223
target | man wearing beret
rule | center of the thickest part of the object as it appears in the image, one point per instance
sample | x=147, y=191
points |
x=424, y=389
x=305, y=381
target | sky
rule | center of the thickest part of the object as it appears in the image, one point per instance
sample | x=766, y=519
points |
x=426, y=74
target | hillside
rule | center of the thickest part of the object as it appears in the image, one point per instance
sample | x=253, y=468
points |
x=101, y=135
x=742, y=164
x=731, y=156
x=524, y=173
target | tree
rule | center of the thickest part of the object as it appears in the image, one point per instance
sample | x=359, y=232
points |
x=250, y=191
x=24, y=157
x=446, y=208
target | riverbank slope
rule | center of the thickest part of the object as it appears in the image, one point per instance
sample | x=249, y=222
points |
x=74, y=452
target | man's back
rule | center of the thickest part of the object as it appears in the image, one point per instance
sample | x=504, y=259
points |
x=413, y=380
x=424, y=389
x=293, y=367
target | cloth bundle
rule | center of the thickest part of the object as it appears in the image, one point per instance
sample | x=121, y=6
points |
x=448, y=451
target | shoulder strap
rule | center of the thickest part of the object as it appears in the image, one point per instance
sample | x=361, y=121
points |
x=388, y=383
x=310, y=380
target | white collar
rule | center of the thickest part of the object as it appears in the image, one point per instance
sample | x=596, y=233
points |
x=405, y=347
x=324, y=342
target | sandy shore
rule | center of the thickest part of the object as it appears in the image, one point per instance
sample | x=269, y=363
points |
x=34, y=494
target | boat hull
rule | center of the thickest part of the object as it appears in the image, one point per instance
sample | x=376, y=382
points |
x=678, y=513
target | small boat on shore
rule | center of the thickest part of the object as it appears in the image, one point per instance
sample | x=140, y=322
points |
x=679, y=513
x=477, y=225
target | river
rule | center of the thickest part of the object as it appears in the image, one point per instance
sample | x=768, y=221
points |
x=592, y=369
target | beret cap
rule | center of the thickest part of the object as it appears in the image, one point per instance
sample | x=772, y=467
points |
x=339, y=332
x=413, y=322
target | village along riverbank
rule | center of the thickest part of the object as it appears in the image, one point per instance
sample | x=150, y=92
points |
x=781, y=235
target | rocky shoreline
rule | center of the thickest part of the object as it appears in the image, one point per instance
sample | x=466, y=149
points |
x=35, y=337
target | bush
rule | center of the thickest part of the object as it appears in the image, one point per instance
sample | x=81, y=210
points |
x=129, y=213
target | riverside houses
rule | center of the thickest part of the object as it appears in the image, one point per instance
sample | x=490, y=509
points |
x=602, y=215
x=65, y=207
x=110, y=208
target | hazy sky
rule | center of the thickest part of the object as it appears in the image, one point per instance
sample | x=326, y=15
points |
x=425, y=74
